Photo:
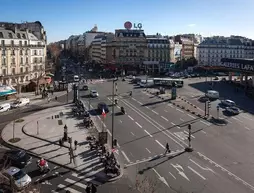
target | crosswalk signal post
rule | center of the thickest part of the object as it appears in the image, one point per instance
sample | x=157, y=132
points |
x=189, y=148
x=208, y=107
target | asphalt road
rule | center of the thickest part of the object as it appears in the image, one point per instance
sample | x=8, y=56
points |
x=218, y=164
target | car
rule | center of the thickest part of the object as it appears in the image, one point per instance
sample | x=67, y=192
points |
x=18, y=158
x=203, y=99
x=94, y=93
x=228, y=103
x=85, y=87
x=212, y=94
x=16, y=177
x=5, y=107
x=20, y=102
x=233, y=110
x=216, y=78
x=102, y=106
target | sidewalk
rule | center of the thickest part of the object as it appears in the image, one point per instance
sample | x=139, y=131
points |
x=40, y=134
x=33, y=97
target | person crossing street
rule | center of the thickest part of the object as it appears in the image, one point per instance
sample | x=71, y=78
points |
x=167, y=149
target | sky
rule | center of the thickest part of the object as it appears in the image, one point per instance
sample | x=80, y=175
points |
x=62, y=18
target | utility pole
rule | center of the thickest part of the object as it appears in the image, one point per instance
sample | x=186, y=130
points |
x=113, y=112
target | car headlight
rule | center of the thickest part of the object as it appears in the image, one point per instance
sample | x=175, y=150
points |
x=22, y=162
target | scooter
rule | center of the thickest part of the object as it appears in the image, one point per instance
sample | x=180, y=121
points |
x=43, y=169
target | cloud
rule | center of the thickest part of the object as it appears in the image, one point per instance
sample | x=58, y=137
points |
x=192, y=25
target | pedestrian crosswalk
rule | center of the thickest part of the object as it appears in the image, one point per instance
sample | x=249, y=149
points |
x=75, y=183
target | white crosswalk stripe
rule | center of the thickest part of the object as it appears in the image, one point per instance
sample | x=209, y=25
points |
x=68, y=188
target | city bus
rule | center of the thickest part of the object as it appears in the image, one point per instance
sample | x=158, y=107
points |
x=168, y=82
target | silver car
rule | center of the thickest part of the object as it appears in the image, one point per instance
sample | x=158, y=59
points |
x=17, y=177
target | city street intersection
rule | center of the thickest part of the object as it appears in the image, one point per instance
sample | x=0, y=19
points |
x=219, y=162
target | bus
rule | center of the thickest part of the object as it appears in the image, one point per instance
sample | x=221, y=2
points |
x=168, y=82
x=76, y=78
x=146, y=83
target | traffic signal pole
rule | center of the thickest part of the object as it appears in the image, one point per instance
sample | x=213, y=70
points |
x=189, y=148
x=113, y=113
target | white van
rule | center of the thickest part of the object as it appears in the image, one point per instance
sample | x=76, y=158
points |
x=212, y=94
x=5, y=107
x=20, y=102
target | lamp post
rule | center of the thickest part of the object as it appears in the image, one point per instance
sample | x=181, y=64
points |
x=113, y=111
x=65, y=133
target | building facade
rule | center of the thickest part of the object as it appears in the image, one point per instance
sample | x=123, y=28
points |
x=212, y=50
x=129, y=49
x=158, y=53
x=188, y=50
x=22, y=56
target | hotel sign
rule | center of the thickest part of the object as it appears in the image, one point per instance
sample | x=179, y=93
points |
x=238, y=66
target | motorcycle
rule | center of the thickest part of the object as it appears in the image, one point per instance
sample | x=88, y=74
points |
x=43, y=169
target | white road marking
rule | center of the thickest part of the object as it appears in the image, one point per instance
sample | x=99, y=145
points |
x=247, y=128
x=181, y=119
x=76, y=183
x=173, y=123
x=118, y=107
x=179, y=110
x=140, y=103
x=130, y=117
x=187, y=133
x=225, y=170
x=237, y=119
x=164, y=118
x=170, y=105
x=44, y=175
x=191, y=116
x=160, y=144
x=161, y=178
x=155, y=112
x=178, y=127
x=148, y=150
x=138, y=124
x=98, y=117
x=197, y=173
x=148, y=133
x=125, y=156
x=166, y=111
x=244, y=116
x=109, y=132
x=147, y=107
x=206, y=168
x=134, y=99
x=172, y=175
x=206, y=123
x=132, y=134
x=61, y=186
x=91, y=106
x=103, y=124
x=180, y=170
x=121, y=121
x=203, y=131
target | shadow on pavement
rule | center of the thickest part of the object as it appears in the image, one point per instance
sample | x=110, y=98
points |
x=161, y=162
x=156, y=102
x=227, y=91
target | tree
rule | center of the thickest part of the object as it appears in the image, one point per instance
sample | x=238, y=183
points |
x=54, y=50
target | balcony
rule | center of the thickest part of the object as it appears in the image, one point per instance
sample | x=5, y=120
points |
x=13, y=64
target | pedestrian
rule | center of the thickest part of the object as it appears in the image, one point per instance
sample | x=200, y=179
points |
x=60, y=142
x=167, y=149
x=56, y=98
x=75, y=144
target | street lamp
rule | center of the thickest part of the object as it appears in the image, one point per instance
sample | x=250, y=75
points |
x=113, y=110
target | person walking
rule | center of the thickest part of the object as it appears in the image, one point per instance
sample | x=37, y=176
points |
x=75, y=144
x=167, y=149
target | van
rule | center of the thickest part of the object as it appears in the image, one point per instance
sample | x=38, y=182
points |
x=5, y=107
x=212, y=94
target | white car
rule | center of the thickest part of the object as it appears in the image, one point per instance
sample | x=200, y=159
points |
x=20, y=102
x=17, y=177
x=233, y=110
x=228, y=103
x=5, y=107
x=94, y=93
x=212, y=94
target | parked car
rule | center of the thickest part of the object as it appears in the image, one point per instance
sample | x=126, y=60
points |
x=102, y=106
x=5, y=107
x=94, y=93
x=16, y=177
x=17, y=158
x=203, y=99
x=228, y=103
x=85, y=87
x=212, y=94
x=233, y=110
x=20, y=102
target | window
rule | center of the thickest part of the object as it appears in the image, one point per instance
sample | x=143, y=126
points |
x=35, y=52
x=23, y=36
x=20, y=43
x=27, y=52
x=21, y=70
x=13, y=70
x=35, y=60
x=2, y=42
x=1, y=35
x=26, y=78
x=26, y=60
x=13, y=60
x=10, y=35
x=13, y=52
x=4, y=71
x=40, y=60
x=35, y=67
x=21, y=52
x=39, y=52
x=12, y=42
x=25, y=43
x=26, y=69
x=18, y=35
x=21, y=60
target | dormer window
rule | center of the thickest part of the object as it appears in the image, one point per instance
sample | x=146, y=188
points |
x=10, y=35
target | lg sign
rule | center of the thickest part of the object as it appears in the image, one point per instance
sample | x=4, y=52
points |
x=128, y=25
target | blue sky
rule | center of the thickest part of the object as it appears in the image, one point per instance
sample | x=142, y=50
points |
x=62, y=18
